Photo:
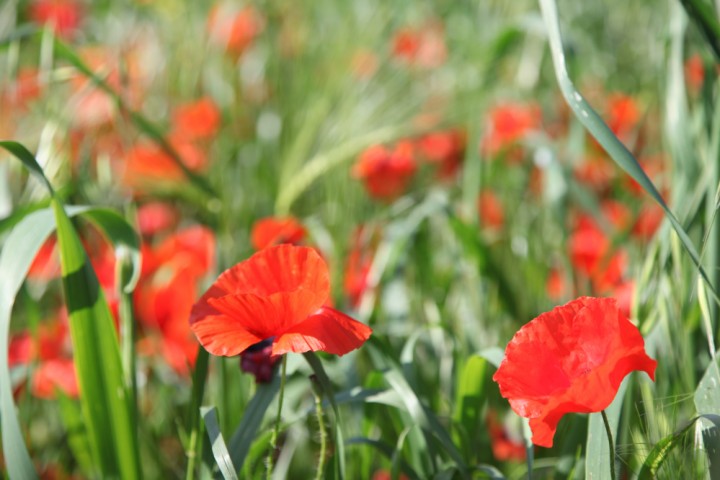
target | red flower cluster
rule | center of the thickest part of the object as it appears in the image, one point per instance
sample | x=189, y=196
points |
x=277, y=295
x=508, y=124
x=421, y=47
x=571, y=359
x=63, y=16
x=386, y=173
x=234, y=29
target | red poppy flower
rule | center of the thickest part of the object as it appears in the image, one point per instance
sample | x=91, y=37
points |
x=234, y=29
x=571, y=359
x=279, y=294
x=491, y=211
x=164, y=296
x=623, y=114
x=504, y=446
x=63, y=16
x=444, y=149
x=147, y=163
x=508, y=124
x=198, y=120
x=422, y=47
x=386, y=173
x=56, y=373
x=591, y=254
x=648, y=221
x=555, y=285
x=694, y=73
x=155, y=217
x=276, y=230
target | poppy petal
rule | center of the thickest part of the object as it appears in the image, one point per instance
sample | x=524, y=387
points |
x=221, y=334
x=328, y=330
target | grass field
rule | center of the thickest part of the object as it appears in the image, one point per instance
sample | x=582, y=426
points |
x=359, y=239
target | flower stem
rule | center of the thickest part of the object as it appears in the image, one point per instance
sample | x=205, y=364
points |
x=276, y=430
x=611, y=443
x=323, y=433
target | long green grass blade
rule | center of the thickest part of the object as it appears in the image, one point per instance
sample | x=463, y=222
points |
x=602, y=133
x=217, y=442
x=106, y=402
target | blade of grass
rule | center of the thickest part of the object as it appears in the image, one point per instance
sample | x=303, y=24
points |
x=199, y=378
x=598, y=129
x=217, y=442
x=704, y=16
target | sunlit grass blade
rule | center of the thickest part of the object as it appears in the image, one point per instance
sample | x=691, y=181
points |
x=146, y=126
x=217, y=442
x=76, y=433
x=662, y=449
x=469, y=398
x=602, y=133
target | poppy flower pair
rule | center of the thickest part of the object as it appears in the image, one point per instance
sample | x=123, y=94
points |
x=571, y=359
x=277, y=295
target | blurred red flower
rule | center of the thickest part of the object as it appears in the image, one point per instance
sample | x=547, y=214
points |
x=156, y=217
x=422, y=46
x=694, y=73
x=596, y=172
x=491, y=211
x=271, y=231
x=233, y=28
x=386, y=173
x=571, y=359
x=199, y=120
x=504, y=447
x=507, y=124
x=623, y=115
x=55, y=373
x=555, y=284
x=648, y=221
x=46, y=264
x=147, y=163
x=278, y=294
x=592, y=254
x=64, y=16
x=358, y=264
x=165, y=294
x=444, y=149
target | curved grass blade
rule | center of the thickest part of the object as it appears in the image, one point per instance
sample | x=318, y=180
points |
x=662, y=449
x=199, y=377
x=322, y=162
x=217, y=442
x=65, y=52
x=107, y=404
x=598, y=129
x=27, y=159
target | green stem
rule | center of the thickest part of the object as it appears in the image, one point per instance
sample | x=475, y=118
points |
x=323, y=433
x=276, y=430
x=611, y=443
